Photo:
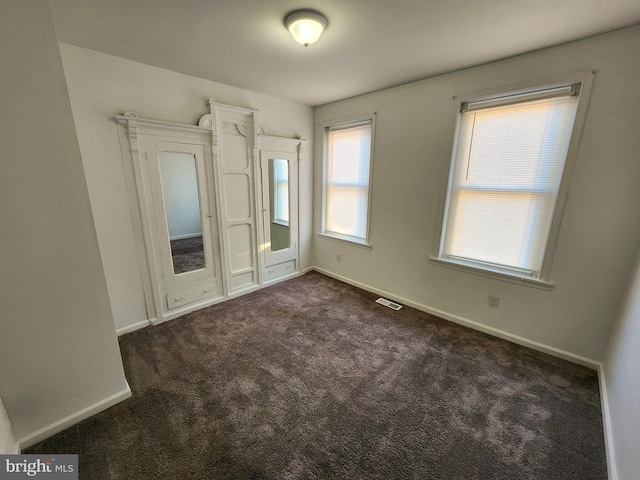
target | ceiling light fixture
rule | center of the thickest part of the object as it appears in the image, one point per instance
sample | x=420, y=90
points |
x=306, y=26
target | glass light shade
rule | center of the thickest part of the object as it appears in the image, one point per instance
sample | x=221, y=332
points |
x=306, y=26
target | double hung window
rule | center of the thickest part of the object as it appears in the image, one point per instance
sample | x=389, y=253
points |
x=347, y=173
x=507, y=167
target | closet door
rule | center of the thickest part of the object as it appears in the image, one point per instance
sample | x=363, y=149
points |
x=235, y=173
x=214, y=207
x=171, y=189
x=279, y=206
x=184, y=221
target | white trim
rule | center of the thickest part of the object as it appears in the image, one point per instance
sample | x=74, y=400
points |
x=268, y=283
x=191, y=307
x=529, y=85
x=124, y=119
x=133, y=327
x=74, y=418
x=538, y=94
x=344, y=122
x=585, y=79
x=207, y=303
x=212, y=102
x=606, y=423
x=188, y=235
x=486, y=272
x=540, y=347
x=346, y=239
x=244, y=290
x=137, y=216
x=270, y=149
x=283, y=141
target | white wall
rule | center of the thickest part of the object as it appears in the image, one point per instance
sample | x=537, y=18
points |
x=599, y=236
x=8, y=444
x=101, y=86
x=622, y=381
x=58, y=348
x=180, y=192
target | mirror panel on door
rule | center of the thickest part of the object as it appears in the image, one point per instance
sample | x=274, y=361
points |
x=279, y=201
x=184, y=251
x=279, y=220
x=182, y=207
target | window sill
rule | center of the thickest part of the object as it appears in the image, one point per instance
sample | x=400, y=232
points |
x=529, y=282
x=346, y=239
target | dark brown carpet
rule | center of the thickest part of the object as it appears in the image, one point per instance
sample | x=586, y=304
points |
x=187, y=254
x=310, y=379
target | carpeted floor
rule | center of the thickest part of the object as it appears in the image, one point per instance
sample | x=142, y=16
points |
x=187, y=254
x=311, y=379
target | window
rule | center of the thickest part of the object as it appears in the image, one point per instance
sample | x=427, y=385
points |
x=347, y=172
x=507, y=166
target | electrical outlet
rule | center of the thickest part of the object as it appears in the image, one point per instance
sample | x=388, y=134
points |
x=494, y=301
x=339, y=258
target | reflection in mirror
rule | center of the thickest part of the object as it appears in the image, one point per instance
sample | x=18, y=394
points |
x=182, y=206
x=279, y=203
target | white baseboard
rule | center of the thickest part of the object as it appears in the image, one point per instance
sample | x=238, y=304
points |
x=606, y=422
x=133, y=327
x=188, y=235
x=556, y=352
x=268, y=283
x=190, y=307
x=206, y=303
x=593, y=364
x=74, y=418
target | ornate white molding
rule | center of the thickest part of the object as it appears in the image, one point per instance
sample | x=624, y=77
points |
x=206, y=121
x=234, y=128
x=163, y=132
x=213, y=103
x=157, y=128
x=281, y=144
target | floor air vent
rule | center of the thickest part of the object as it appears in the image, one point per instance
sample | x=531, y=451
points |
x=389, y=303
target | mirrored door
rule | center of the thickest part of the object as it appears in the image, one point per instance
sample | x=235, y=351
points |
x=181, y=196
x=183, y=213
x=279, y=206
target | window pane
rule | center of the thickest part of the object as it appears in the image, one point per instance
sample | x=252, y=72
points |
x=506, y=174
x=347, y=210
x=505, y=229
x=347, y=180
x=349, y=152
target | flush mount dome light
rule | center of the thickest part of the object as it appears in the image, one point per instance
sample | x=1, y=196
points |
x=306, y=26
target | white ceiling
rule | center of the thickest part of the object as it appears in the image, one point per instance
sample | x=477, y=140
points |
x=368, y=45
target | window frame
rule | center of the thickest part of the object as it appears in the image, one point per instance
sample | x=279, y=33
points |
x=543, y=279
x=346, y=122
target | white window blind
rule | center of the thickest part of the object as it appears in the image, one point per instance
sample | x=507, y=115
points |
x=506, y=172
x=347, y=179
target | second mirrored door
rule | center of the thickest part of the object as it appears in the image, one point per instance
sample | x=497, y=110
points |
x=279, y=207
